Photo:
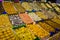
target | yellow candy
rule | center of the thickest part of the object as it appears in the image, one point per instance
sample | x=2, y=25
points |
x=47, y=27
x=1, y=34
x=24, y=34
x=40, y=32
x=5, y=21
x=5, y=35
x=9, y=8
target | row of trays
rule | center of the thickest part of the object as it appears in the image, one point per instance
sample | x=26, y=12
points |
x=28, y=26
x=43, y=30
x=14, y=8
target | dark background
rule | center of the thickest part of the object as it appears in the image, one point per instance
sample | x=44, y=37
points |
x=36, y=0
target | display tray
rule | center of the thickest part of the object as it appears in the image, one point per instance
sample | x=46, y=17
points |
x=34, y=6
x=19, y=7
x=27, y=6
x=15, y=20
x=41, y=15
x=47, y=27
x=24, y=34
x=5, y=22
x=39, y=31
x=53, y=24
x=7, y=34
x=34, y=16
x=57, y=20
x=9, y=8
x=25, y=18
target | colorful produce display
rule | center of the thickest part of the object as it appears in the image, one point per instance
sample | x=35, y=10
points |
x=9, y=8
x=29, y=20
